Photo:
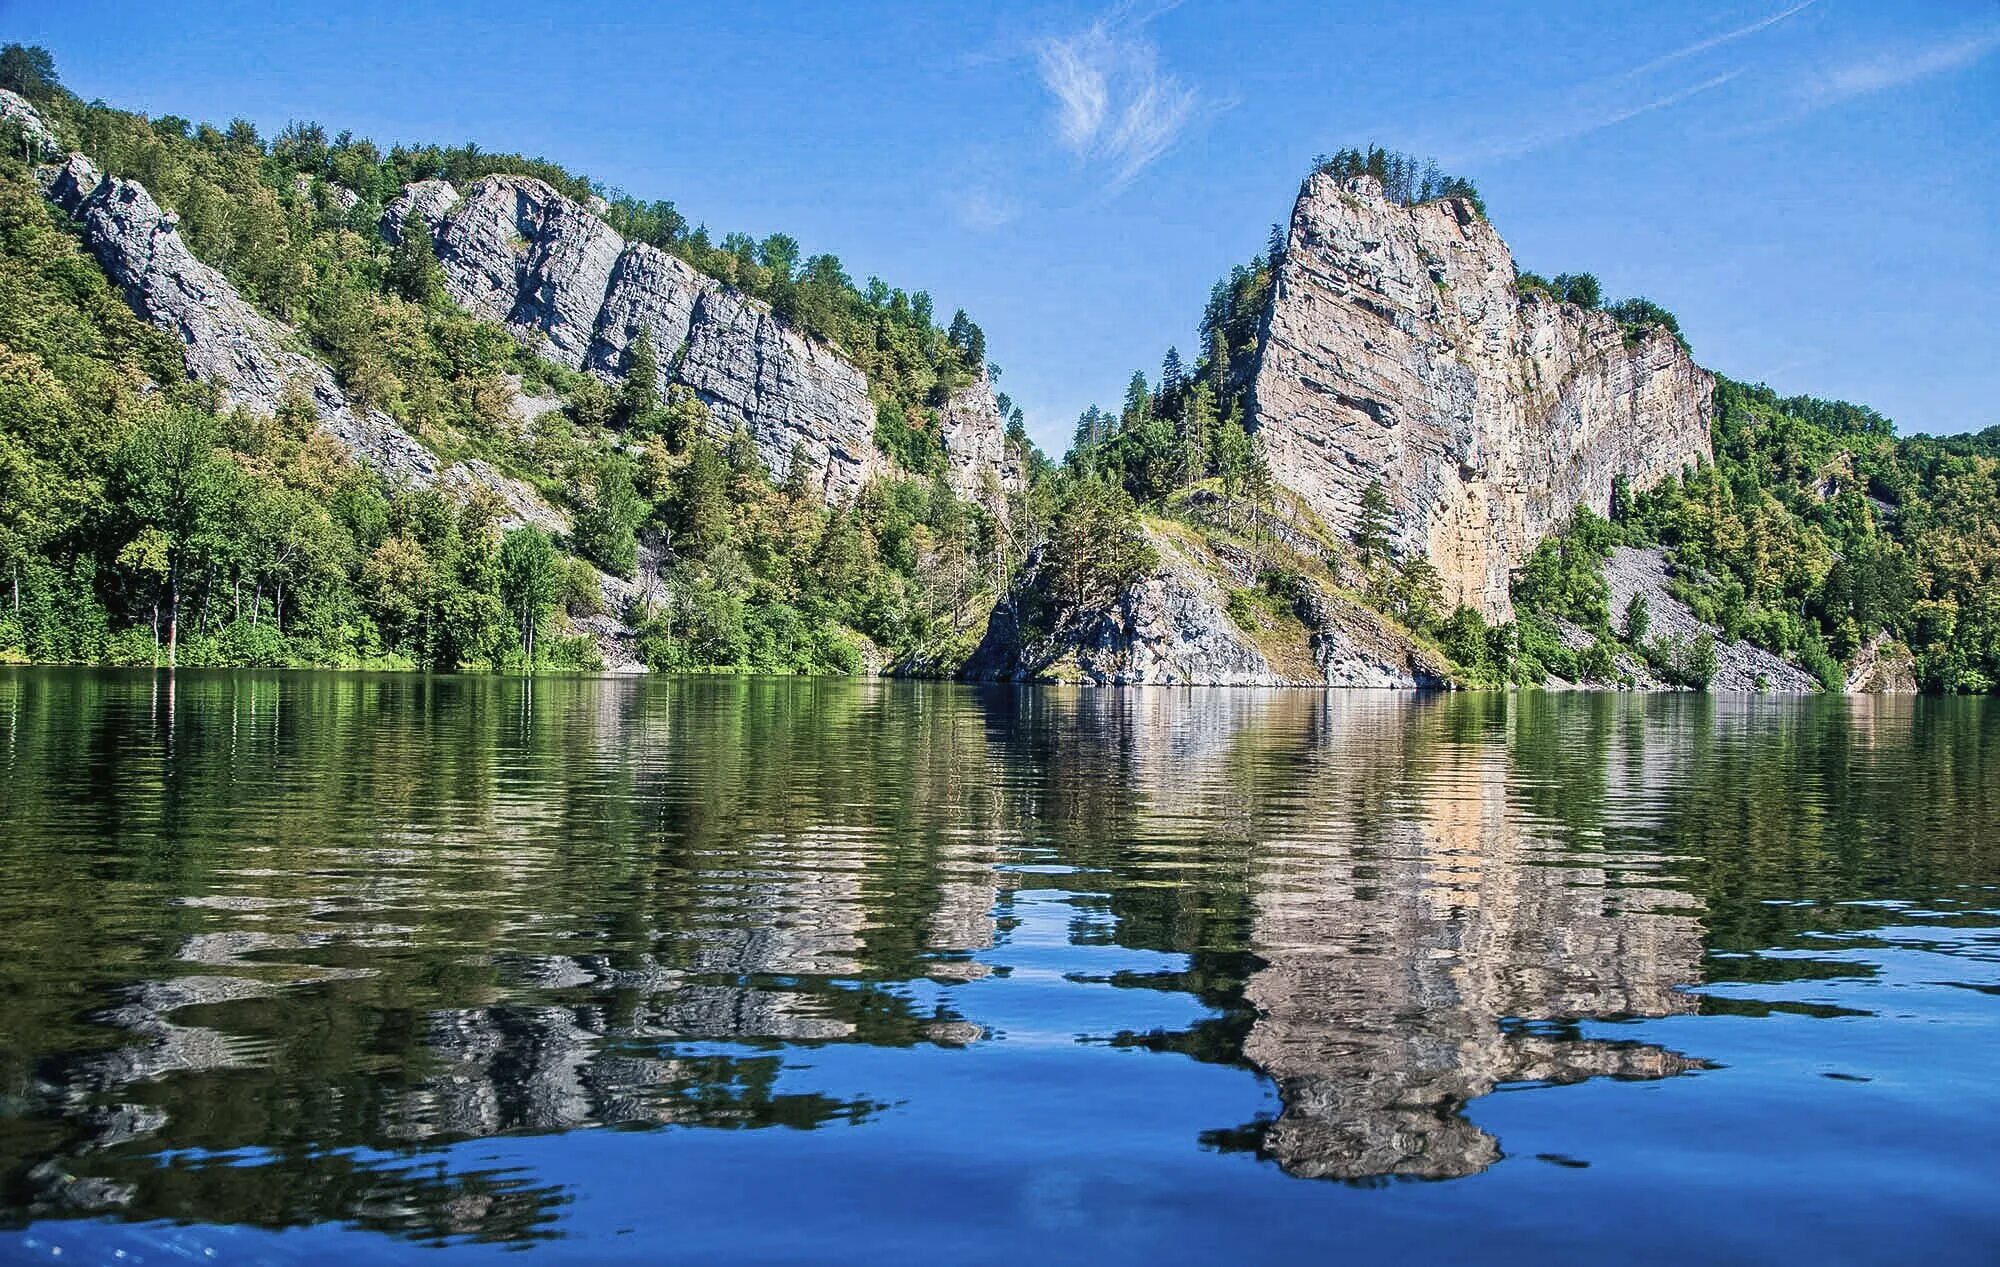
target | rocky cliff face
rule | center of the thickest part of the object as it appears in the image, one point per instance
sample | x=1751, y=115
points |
x=35, y=131
x=1175, y=628
x=979, y=463
x=1396, y=349
x=517, y=252
x=227, y=342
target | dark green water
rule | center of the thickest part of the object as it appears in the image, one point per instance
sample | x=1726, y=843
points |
x=295, y=967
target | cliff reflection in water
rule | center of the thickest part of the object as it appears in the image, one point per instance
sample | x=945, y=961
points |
x=1415, y=936
x=262, y=936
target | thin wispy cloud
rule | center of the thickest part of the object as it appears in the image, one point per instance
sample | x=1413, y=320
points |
x=1605, y=102
x=1583, y=123
x=978, y=206
x=1116, y=107
x=1893, y=70
x=1717, y=41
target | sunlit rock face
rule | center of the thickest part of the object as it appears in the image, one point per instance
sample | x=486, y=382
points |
x=226, y=341
x=516, y=251
x=980, y=464
x=35, y=131
x=1397, y=350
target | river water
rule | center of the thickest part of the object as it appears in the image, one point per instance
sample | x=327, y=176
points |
x=305, y=966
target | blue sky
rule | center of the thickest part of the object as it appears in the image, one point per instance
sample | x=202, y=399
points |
x=1810, y=186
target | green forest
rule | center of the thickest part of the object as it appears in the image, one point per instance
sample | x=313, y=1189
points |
x=141, y=526
x=141, y=523
x=1815, y=528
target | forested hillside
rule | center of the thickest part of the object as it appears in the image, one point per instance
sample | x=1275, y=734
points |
x=143, y=521
x=139, y=525
x=1816, y=533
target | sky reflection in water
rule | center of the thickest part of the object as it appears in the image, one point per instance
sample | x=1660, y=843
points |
x=304, y=965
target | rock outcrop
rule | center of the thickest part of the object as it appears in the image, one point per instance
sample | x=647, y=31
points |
x=227, y=342
x=1739, y=666
x=1882, y=667
x=1175, y=628
x=516, y=251
x=14, y=109
x=428, y=200
x=1397, y=349
x=979, y=462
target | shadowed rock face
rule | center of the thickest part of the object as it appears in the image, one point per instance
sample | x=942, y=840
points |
x=227, y=342
x=517, y=252
x=1396, y=349
x=1173, y=628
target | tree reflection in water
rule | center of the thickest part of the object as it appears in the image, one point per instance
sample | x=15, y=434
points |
x=271, y=943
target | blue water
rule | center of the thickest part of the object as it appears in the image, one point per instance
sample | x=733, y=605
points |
x=307, y=967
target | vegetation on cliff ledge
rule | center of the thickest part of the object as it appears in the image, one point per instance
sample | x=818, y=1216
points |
x=141, y=523
x=139, y=519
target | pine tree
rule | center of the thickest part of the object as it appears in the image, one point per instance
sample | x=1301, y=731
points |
x=1257, y=483
x=414, y=271
x=968, y=340
x=1138, y=402
x=28, y=70
x=639, y=394
x=1371, y=529
x=608, y=521
x=700, y=517
x=1090, y=430
x=1196, y=428
x=1171, y=372
x=798, y=472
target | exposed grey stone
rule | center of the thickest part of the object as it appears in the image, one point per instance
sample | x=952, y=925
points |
x=1883, y=667
x=428, y=200
x=516, y=251
x=15, y=109
x=980, y=463
x=227, y=342
x=753, y=371
x=1173, y=628
x=1398, y=350
x=1738, y=665
x=653, y=291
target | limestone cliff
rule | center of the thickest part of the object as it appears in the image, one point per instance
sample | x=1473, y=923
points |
x=250, y=357
x=35, y=132
x=980, y=464
x=516, y=251
x=1396, y=349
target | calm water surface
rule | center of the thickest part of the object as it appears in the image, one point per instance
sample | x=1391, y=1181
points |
x=295, y=967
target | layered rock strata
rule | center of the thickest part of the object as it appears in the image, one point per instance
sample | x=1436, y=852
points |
x=516, y=251
x=250, y=357
x=980, y=464
x=1397, y=350
x=1174, y=627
